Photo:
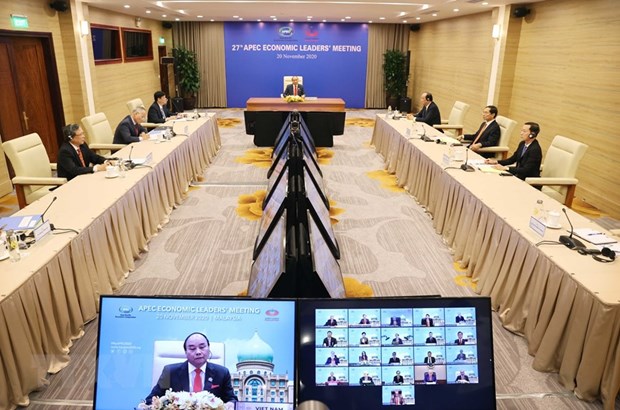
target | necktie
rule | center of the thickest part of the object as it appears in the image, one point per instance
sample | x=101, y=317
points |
x=81, y=157
x=163, y=114
x=523, y=150
x=136, y=129
x=294, y=90
x=197, y=381
x=484, y=127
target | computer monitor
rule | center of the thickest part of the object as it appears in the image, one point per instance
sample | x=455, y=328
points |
x=254, y=339
x=381, y=352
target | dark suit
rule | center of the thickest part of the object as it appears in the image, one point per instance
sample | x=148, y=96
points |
x=363, y=340
x=334, y=362
x=330, y=341
x=429, y=115
x=126, y=132
x=155, y=115
x=331, y=379
x=460, y=356
x=424, y=322
x=366, y=381
x=69, y=165
x=365, y=321
x=528, y=163
x=431, y=340
x=462, y=378
x=289, y=90
x=331, y=322
x=429, y=360
x=459, y=319
x=176, y=377
x=399, y=379
x=394, y=360
x=489, y=138
x=460, y=341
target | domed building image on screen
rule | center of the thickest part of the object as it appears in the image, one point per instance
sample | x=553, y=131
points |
x=255, y=380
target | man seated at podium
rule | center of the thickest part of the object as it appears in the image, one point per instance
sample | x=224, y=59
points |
x=196, y=374
x=295, y=88
x=331, y=379
x=329, y=340
x=366, y=380
x=462, y=377
x=398, y=378
x=430, y=377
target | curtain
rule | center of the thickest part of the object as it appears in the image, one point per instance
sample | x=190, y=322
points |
x=382, y=37
x=207, y=40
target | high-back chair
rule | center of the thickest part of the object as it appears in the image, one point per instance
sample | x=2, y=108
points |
x=559, y=169
x=99, y=134
x=135, y=103
x=33, y=170
x=454, y=124
x=506, y=126
x=288, y=79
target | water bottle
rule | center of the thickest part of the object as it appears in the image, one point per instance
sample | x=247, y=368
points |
x=539, y=210
x=121, y=168
x=4, y=246
x=388, y=114
x=14, y=253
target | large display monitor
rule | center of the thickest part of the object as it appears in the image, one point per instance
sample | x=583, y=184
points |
x=430, y=353
x=254, y=339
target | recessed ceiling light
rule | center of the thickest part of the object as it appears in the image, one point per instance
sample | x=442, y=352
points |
x=424, y=7
x=177, y=19
x=164, y=15
x=274, y=19
x=369, y=21
x=455, y=10
x=240, y=18
x=434, y=14
x=348, y=17
x=324, y=21
x=417, y=18
x=235, y=17
x=259, y=20
x=404, y=21
x=211, y=20
x=200, y=17
x=148, y=12
x=484, y=3
x=381, y=18
x=309, y=17
x=342, y=20
x=127, y=6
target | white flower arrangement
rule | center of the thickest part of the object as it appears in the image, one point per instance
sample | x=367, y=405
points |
x=203, y=400
x=293, y=98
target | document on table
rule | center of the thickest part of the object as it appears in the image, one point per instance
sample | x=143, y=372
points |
x=594, y=237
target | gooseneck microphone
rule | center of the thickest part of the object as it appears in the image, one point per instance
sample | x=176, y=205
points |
x=47, y=209
x=465, y=166
x=569, y=241
x=129, y=162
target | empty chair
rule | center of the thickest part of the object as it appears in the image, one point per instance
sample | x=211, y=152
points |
x=99, y=134
x=559, y=169
x=32, y=167
x=454, y=124
x=137, y=102
x=506, y=127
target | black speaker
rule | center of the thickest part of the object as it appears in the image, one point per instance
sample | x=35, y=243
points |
x=414, y=27
x=60, y=5
x=166, y=24
x=177, y=104
x=521, y=12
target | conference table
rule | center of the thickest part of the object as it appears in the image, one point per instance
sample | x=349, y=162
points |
x=566, y=305
x=48, y=296
x=324, y=117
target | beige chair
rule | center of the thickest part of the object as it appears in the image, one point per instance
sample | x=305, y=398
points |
x=171, y=351
x=559, y=169
x=32, y=167
x=454, y=124
x=506, y=126
x=135, y=103
x=288, y=79
x=99, y=134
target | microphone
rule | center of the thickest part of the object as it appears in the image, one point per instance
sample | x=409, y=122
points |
x=465, y=166
x=47, y=209
x=129, y=163
x=569, y=241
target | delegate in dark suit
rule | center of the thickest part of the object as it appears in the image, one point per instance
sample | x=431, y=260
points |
x=489, y=137
x=429, y=115
x=69, y=165
x=527, y=163
x=156, y=115
x=128, y=132
x=176, y=377
x=290, y=90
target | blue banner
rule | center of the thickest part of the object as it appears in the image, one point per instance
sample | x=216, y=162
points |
x=331, y=59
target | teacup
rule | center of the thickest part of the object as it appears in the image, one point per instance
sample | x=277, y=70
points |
x=553, y=218
x=112, y=171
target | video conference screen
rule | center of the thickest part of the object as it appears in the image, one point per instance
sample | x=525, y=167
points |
x=431, y=353
x=253, y=339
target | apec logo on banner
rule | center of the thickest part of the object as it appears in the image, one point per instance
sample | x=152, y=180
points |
x=330, y=59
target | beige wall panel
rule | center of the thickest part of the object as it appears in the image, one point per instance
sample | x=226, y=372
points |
x=567, y=78
x=452, y=60
x=115, y=84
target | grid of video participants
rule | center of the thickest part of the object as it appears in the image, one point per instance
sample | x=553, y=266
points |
x=396, y=349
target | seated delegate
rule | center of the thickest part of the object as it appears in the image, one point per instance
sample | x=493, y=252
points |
x=294, y=89
x=130, y=129
x=158, y=111
x=74, y=156
x=528, y=156
x=488, y=133
x=429, y=114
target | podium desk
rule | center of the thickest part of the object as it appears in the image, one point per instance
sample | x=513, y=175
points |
x=324, y=117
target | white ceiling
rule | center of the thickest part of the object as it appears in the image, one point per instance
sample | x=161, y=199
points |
x=354, y=11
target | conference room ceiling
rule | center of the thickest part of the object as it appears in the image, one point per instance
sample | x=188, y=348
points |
x=352, y=11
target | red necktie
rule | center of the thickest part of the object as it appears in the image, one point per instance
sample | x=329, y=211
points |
x=79, y=152
x=294, y=90
x=197, y=381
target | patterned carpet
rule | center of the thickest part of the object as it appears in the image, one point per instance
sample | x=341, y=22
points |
x=387, y=243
